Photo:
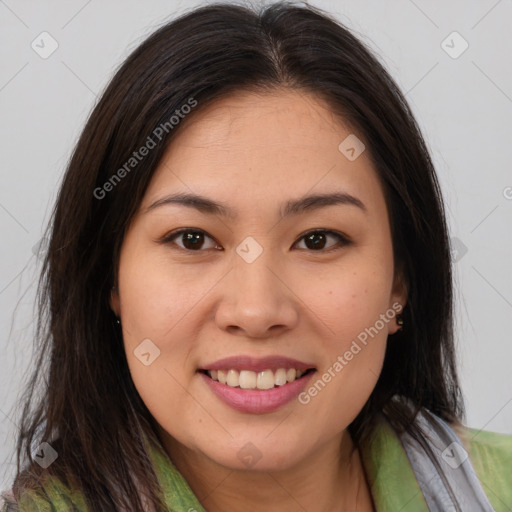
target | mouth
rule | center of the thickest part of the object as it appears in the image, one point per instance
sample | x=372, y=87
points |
x=252, y=380
x=259, y=390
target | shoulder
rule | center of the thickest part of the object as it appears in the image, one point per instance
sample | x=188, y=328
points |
x=491, y=456
x=49, y=496
x=490, y=449
x=484, y=446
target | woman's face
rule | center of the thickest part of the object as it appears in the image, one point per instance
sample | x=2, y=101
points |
x=251, y=280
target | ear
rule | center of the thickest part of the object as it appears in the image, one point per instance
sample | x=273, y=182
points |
x=399, y=294
x=114, y=301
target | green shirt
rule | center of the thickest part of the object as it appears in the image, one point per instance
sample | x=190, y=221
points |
x=392, y=481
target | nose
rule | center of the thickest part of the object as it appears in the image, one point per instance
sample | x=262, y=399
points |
x=257, y=301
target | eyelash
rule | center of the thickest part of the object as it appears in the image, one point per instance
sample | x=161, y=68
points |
x=343, y=240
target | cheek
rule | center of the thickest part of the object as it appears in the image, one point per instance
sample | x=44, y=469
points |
x=156, y=304
x=352, y=299
x=157, y=296
x=353, y=352
x=350, y=303
x=159, y=361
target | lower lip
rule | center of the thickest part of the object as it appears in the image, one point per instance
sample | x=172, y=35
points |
x=257, y=401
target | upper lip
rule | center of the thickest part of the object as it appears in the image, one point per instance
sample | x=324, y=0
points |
x=257, y=364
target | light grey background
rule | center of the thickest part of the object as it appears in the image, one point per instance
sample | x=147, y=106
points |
x=463, y=105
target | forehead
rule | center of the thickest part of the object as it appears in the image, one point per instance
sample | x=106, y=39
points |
x=264, y=145
x=284, y=117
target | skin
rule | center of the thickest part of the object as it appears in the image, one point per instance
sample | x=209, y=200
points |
x=253, y=152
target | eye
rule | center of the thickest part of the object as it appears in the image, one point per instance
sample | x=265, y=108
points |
x=194, y=240
x=317, y=240
x=191, y=239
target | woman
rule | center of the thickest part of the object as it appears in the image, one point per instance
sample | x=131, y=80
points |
x=246, y=302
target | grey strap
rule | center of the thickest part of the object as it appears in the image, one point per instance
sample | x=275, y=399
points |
x=443, y=469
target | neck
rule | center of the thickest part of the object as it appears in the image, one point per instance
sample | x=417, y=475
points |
x=330, y=479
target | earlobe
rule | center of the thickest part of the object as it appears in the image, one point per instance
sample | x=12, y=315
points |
x=397, y=324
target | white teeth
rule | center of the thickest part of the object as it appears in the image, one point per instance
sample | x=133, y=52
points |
x=247, y=379
x=280, y=377
x=233, y=378
x=265, y=379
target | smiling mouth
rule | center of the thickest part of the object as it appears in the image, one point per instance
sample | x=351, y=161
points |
x=247, y=379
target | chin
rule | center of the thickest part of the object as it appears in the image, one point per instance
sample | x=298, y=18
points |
x=258, y=456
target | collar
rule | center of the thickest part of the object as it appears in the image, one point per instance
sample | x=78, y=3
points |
x=392, y=481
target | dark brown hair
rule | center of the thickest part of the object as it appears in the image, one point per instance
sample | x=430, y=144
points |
x=89, y=406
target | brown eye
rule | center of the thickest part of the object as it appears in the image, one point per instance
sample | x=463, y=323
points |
x=191, y=239
x=318, y=240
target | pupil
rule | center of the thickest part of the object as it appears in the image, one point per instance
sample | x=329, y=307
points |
x=317, y=241
x=194, y=239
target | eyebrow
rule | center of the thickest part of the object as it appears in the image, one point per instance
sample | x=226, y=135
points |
x=291, y=207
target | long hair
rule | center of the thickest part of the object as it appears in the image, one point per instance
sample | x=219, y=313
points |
x=81, y=397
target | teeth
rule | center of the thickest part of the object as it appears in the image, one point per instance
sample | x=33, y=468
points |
x=265, y=379
x=291, y=374
x=233, y=378
x=247, y=379
x=280, y=377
